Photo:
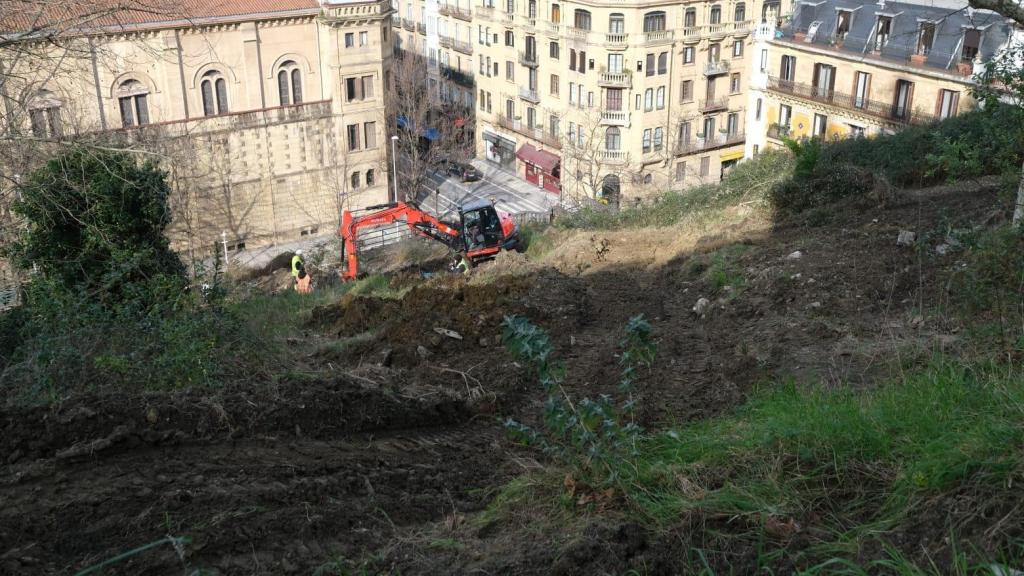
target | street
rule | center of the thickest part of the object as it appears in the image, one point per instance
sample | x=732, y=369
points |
x=508, y=192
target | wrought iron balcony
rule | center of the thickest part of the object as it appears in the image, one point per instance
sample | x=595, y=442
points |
x=716, y=68
x=712, y=143
x=888, y=112
x=714, y=104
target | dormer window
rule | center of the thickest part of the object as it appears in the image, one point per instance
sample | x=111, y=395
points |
x=925, y=38
x=843, y=20
x=882, y=31
x=972, y=41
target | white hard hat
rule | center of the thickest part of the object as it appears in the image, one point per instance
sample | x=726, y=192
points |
x=298, y=252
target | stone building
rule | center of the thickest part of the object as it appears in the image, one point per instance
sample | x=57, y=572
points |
x=840, y=68
x=268, y=114
x=442, y=33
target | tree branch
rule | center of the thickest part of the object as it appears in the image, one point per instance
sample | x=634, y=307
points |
x=1012, y=9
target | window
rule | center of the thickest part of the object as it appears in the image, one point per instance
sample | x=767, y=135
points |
x=553, y=50
x=353, y=136
x=650, y=65
x=556, y=14
x=824, y=81
x=289, y=83
x=531, y=9
x=948, y=100
x=861, y=89
x=688, y=55
x=531, y=79
x=716, y=15
x=654, y=21
x=370, y=177
x=659, y=138
x=690, y=19
x=882, y=30
x=663, y=63
x=350, y=39
x=489, y=102
x=616, y=24
x=740, y=14
x=785, y=115
x=972, y=40
x=757, y=149
x=355, y=180
x=764, y=60
x=925, y=38
x=572, y=59
x=737, y=49
x=590, y=99
x=820, y=125
x=554, y=84
x=572, y=93
x=613, y=98
x=572, y=133
x=659, y=98
x=686, y=91
x=709, y=128
x=757, y=109
x=611, y=138
x=132, y=101
x=734, y=83
x=483, y=66
x=214, y=91
x=510, y=70
x=364, y=39
x=582, y=68
x=531, y=118
x=647, y=178
x=44, y=115
x=787, y=70
x=638, y=98
x=510, y=38
x=370, y=134
x=732, y=124
x=531, y=48
x=581, y=19
x=843, y=19
x=714, y=53
x=680, y=171
x=705, y=166
x=856, y=131
x=553, y=128
x=904, y=95
x=510, y=109
x=615, y=62
x=481, y=38
x=648, y=100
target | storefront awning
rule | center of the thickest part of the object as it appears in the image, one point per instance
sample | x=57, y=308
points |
x=546, y=161
x=735, y=155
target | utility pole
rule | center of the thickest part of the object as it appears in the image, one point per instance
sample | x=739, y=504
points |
x=224, y=243
x=394, y=164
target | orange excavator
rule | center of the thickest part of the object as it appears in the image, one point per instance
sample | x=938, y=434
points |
x=482, y=230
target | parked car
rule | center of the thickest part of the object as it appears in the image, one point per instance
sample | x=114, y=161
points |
x=465, y=172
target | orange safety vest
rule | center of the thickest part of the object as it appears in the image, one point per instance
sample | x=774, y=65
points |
x=304, y=285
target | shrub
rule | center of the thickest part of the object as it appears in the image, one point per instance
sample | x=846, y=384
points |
x=825, y=185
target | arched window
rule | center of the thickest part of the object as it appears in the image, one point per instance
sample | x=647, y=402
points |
x=132, y=101
x=659, y=99
x=716, y=14
x=355, y=180
x=690, y=19
x=612, y=138
x=289, y=83
x=740, y=13
x=616, y=24
x=370, y=177
x=215, y=93
x=556, y=13
x=44, y=115
x=654, y=21
x=610, y=186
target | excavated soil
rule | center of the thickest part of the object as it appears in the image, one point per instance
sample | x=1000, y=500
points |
x=400, y=433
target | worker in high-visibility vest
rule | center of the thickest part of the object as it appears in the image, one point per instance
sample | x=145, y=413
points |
x=298, y=265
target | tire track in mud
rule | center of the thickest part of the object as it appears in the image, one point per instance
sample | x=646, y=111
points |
x=274, y=505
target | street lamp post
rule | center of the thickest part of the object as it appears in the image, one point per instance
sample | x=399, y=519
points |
x=394, y=164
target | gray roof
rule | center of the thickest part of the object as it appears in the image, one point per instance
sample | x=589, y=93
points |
x=951, y=16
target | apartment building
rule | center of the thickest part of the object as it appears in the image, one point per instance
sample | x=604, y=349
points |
x=841, y=68
x=442, y=34
x=269, y=115
x=615, y=100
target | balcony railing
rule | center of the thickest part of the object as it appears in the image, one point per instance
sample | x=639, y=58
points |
x=460, y=77
x=705, y=144
x=716, y=68
x=530, y=23
x=690, y=34
x=615, y=80
x=554, y=29
x=464, y=47
x=778, y=131
x=615, y=118
x=717, y=30
x=657, y=36
x=575, y=33
x=485, y=12
x=713, y=104
x=444, y=9
x=421, y=28
x=445, y=41
x=529, y=95
x=612, y=156
x=616, y=41
x=408, y=24
x=536, y=133
x=508, y=18
x=528, y=59
x=461, y=14
x=882, y=110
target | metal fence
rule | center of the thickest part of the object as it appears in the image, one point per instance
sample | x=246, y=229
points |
x=384, y=236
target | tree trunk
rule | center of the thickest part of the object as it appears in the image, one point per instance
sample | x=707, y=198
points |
x=1018, y=210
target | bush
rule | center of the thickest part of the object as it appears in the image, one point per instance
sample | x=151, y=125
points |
x=824, y=185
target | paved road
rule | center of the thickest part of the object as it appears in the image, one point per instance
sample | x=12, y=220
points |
x=509, y=193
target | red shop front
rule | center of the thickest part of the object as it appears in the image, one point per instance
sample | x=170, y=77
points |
x=542, y=168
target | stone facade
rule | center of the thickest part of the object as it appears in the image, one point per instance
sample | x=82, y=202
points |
x=268, y=123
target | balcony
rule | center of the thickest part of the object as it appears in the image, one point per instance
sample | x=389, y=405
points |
x=716, y=31
x=408, y=24
x=616, y=41
x=716, y=68
x=615, y=80
x=691, y=34
x=486, y=12
x=705, y=144
x=444, y=9
x=529, y=95
x=535, y=133
x=554, y=29
x=445, y=41
x=460, y=77
x=574, y=33
x=614, y=118
x=421, y=28
x=529, y=23
x=778, y=132
x=613, y=156
x=508, y=19
x=743, y=27
x=714, y=104
x=884, y=111
x=657, y=37
x=463, y=47
x=461, y=13
x=528, y=59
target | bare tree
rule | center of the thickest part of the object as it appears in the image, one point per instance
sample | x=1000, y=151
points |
x=597, y=170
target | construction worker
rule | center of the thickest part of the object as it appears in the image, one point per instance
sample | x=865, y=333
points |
x=463, y=264
x=298, y=265
x=304, y=283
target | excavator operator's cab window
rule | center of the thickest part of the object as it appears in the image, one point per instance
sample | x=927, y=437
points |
x=482, y=228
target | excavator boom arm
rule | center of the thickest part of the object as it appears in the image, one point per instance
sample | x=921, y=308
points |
x=417, y=220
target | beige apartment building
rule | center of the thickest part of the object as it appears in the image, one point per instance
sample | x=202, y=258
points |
x=842, y=69
x=442, y=34
x=615, y=100
x=268, y=114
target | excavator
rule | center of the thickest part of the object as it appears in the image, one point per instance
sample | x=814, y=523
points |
x=482, y=230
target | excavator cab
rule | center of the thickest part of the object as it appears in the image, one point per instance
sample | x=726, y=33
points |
x=485, y=231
